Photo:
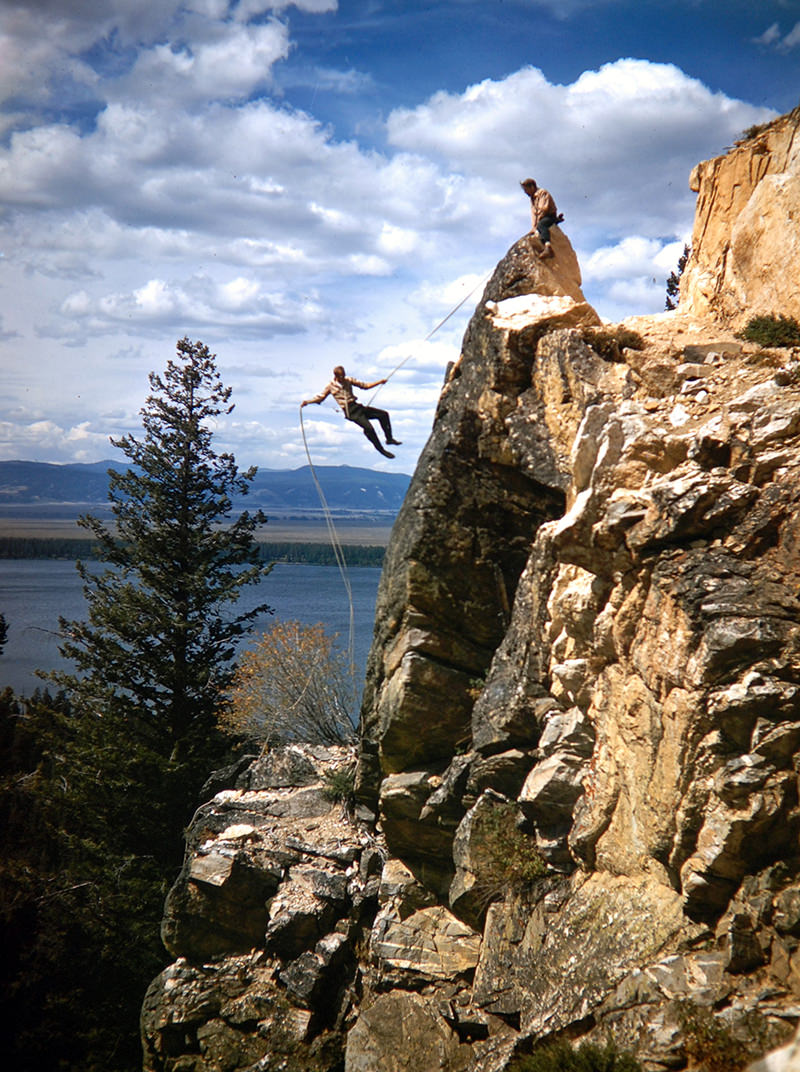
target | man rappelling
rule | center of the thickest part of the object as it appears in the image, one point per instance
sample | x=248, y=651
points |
x=341, y=388
x=544, y=215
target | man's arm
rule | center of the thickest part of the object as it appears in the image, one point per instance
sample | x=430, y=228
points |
x=317, y=398
x=366, y=386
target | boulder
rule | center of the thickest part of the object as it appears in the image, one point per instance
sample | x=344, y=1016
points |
x=229, y=1015
x=218, y=905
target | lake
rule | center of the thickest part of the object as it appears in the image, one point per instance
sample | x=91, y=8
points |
x=34, y=592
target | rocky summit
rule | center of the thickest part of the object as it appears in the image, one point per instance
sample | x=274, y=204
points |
x=578, y=768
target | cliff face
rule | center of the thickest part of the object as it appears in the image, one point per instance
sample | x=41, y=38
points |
x=578, y=773
x=746, y=237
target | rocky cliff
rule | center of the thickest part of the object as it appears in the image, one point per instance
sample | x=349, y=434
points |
x=578, y=766
x=746, y=237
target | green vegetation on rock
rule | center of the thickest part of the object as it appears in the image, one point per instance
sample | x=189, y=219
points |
x=771, y=331
x=507, y=861
x=561, y=1056
x=716, y=1045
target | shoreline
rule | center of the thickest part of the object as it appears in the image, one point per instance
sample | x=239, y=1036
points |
x=350, y=531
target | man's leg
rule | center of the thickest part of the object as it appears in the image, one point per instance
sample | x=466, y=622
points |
x=360, y=418
x=543, y=230
x=375, y=414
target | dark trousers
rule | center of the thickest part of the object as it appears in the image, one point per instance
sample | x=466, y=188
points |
x=362, y=415
x=543, y=227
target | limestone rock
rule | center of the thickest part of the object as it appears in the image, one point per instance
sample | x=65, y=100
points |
x=281, y=768
x=501, y=975
x=505, y=772
x=521, y=272
x=227, y=1015
x=218, y=906
x=401, y=892
x=588, y=624
x=424, y=846
x=787, y=911
x=263, y=919
x=785, y=1059
x=447, y=550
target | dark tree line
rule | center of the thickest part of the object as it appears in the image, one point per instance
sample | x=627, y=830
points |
x=98, y=781
x=315, y=554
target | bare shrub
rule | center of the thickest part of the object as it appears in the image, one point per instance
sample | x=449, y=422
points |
x=294, y=685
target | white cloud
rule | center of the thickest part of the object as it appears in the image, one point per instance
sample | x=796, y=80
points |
x=773, y=37
x=247, y=9
x=625, y=135
x=193, y=203
x=632, y=256
x=200, y=301
x=230, y=65
x=50, y=441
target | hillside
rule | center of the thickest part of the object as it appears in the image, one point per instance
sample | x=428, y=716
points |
x=64, y=491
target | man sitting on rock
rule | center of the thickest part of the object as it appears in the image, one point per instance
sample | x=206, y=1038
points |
x=341, y=387
x=544, y=215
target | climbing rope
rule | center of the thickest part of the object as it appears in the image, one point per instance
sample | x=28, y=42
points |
x=432, y=332
x=338, y=550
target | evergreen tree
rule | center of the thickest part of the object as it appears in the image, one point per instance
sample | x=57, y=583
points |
x=156, y=652
x=674, y=281
x=81, y=892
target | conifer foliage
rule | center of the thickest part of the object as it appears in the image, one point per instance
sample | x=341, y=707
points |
x=674, y=280
x=158, y=644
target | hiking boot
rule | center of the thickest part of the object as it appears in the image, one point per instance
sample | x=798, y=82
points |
x=386, y=453
x=546, y=252
x=395, y=442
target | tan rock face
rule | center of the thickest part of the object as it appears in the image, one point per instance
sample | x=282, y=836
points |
x=431, y=943
x=402, y=1033
x=746, y=237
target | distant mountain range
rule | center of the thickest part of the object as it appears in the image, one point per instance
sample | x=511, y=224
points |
x=31, y=488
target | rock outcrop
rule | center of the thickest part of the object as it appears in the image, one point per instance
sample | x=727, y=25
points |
x=275, y=894
x=579, y=763
x=746, y=237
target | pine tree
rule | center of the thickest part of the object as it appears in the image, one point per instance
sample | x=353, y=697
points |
x=674, y=281
x=156, y=652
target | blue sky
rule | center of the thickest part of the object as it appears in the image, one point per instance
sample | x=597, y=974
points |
x=312, y=183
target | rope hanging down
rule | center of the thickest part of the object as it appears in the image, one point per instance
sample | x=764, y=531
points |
x=338, y=550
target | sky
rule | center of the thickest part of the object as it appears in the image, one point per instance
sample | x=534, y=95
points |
x=305, y=184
